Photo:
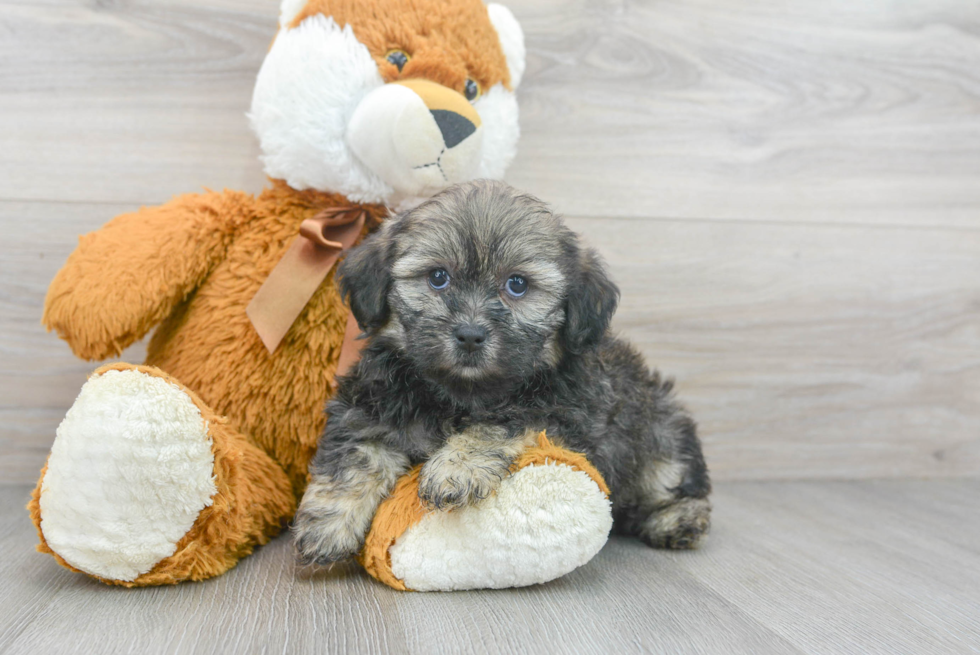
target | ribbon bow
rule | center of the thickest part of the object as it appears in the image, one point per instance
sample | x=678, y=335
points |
x=297, y=276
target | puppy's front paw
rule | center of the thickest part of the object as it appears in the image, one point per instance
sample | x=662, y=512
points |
x=324, y=531
x=453, y=479
x=324, y=540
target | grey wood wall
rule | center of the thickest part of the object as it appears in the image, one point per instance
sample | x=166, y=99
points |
x=788, y=194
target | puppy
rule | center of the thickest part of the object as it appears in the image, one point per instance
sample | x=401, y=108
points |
x=488, y=322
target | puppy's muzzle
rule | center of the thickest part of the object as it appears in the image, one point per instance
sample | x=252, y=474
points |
x=470, y=338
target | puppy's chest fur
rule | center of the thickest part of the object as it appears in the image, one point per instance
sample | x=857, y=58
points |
x=596, y=404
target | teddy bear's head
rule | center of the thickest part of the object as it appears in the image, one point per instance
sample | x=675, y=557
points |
x=389, y=101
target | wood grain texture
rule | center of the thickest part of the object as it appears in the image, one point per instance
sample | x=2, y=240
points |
x=809, y=351
x=800, y=111
x=133, y=102
x=39, y=376
x=825, y=567
x=786, y=111
x=804, y=351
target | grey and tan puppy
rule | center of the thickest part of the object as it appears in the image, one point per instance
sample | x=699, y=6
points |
x=488, y=322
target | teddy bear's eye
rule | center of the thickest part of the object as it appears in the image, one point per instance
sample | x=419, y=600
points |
x=398, y=57
x=471, y=90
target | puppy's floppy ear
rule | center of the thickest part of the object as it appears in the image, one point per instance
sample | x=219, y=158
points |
x=365, y=278
x=591, y=303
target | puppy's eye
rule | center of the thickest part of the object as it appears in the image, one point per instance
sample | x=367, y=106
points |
x=471, y=90
x=439, y=279
x=398, y=57
x=516, y=286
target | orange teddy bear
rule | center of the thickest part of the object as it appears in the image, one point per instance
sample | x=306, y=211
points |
x=175, y=470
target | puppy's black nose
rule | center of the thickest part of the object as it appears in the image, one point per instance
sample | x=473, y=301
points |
x=470, y=337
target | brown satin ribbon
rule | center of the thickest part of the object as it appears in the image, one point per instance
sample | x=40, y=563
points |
x=297, y=276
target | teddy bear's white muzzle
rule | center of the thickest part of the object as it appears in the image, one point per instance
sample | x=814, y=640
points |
x=416, y=137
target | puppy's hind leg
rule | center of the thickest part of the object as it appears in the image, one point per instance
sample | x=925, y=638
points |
x=670, y=507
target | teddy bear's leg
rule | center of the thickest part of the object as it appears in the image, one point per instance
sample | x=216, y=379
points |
x=549, y=516
x=146, y=485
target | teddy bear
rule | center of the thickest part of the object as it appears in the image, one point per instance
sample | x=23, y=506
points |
x=176, y=469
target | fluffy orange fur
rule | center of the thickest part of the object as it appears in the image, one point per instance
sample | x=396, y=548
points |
x=190, y=268
x=447, y=42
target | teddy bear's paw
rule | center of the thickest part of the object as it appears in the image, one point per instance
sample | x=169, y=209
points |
x=450, y=480
x=129, y=472
x=542, y=522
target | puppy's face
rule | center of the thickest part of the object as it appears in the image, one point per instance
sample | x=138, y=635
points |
x=480, y=286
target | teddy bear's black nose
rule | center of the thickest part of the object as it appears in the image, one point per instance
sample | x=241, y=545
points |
x=454, y=127
x=470, y=337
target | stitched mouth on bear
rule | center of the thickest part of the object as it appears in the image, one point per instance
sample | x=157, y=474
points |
x=437, y=163
x=418, y=136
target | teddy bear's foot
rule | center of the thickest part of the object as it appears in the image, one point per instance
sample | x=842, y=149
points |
x=142, y=483
x=550, y=516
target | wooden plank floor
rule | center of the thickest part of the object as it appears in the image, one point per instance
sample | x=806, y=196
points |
x=788, y=193
x=791, y=567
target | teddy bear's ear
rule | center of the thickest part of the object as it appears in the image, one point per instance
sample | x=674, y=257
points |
x=511, y=40
x=289, y=10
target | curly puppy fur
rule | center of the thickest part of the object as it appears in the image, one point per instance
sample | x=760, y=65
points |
x=545, y=360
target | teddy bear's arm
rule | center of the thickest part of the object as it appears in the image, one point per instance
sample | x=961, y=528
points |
x=130, y=274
